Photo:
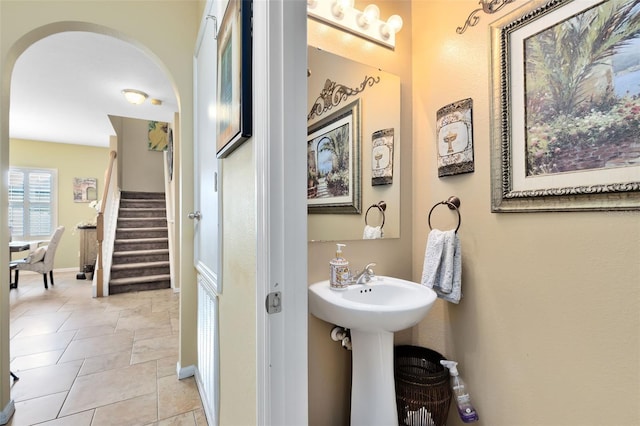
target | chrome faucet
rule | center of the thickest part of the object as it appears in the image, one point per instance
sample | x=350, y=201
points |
x=364, y=276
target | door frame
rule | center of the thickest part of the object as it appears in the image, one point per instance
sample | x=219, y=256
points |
x=280, y=93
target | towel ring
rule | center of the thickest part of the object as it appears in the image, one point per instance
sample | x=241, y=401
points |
x=382, y=206
x=453, y=203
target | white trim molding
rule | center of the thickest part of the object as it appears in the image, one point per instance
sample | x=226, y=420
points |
x=184, y=372
x=7, y=412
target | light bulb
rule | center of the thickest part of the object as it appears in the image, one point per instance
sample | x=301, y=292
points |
x=393, y=25
x=339, y=6
x=370, y=14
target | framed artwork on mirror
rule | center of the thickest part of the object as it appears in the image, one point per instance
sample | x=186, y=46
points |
x=382, y=157
x=566, y=107
x=333, y=162
x=233, y=113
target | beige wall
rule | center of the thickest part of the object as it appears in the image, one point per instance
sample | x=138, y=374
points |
x=548, y=330
x=237, y=303
x=70, y=161
x=329, y=363
x=145, y=24
x=139, y=168
x=549, y=298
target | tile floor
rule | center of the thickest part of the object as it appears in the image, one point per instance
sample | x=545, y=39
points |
x=91, y=362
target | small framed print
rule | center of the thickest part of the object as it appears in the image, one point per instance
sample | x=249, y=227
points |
x=382, y=157
x=234, y=102
x=455, y=138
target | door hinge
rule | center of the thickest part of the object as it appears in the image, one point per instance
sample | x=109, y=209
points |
x=274, y=302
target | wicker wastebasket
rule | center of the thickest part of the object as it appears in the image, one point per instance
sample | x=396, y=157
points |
x=423, y=394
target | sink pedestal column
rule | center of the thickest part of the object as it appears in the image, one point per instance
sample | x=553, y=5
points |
x=373, y=394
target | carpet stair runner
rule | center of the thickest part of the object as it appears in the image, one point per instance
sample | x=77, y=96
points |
x=141, y=248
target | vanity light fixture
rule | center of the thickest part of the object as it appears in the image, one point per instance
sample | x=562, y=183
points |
x=366, y=23
x=135, y=97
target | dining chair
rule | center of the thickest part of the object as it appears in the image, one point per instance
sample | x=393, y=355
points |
x=40, y=260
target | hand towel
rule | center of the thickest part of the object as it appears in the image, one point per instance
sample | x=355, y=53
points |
x=371, y=232
x=442, y=269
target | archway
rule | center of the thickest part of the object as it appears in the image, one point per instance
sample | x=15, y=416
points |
x=8, y=68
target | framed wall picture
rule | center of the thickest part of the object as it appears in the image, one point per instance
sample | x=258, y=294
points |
x=566, y=107
x=85, y=189
x=455, y=138
x=333, y=163
x=158, y=136
x=234, y=120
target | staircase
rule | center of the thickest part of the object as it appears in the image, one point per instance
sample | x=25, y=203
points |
x=141, y=248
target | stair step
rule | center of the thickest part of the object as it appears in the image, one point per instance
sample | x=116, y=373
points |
x=129, y=270
x=130, y=244
x=138, y=233
x=141, y=195
x=140, y=265
x=141, y=212
x=141, y=222
x=138, y=256
x=149, y=282
x=142, y=204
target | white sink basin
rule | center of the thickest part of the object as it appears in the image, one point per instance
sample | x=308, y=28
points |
x=384, y=304
x=373, y=312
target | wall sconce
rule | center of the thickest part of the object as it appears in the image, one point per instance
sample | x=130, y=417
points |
x=135, y=97
x=366, y=23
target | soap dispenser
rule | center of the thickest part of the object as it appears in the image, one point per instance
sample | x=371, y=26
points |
x=339, y=278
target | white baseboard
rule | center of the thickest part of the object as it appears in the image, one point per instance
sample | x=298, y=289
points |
x=209, y=411
x=7, y=412
x=184, y=372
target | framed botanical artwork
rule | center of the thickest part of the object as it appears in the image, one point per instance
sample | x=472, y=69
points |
x=333, y=162
x=454, y=129
x=158, y=136
x=85, y=189
x=233, y=113
x=566, y=107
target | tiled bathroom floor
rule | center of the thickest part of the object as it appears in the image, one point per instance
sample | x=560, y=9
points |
x=108, y=361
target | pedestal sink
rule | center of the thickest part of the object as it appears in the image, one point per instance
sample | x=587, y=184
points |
x=373, y=312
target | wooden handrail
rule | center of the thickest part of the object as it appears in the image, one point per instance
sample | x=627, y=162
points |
x=100, y=223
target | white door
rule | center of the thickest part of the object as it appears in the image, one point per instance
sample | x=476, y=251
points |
x=205, y=216
x=206, y=254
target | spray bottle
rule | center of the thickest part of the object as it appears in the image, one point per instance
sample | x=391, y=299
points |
x=466, y=411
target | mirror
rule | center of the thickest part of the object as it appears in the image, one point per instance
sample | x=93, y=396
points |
x=353, y=148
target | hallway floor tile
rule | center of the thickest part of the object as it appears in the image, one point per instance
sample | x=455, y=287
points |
x=93, y=362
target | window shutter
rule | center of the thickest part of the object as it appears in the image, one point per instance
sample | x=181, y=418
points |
x=31, y=202
x=16, y=202
x=39, y=204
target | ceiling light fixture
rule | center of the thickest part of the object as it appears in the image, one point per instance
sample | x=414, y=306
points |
x=366, y=24
x=135, y=97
